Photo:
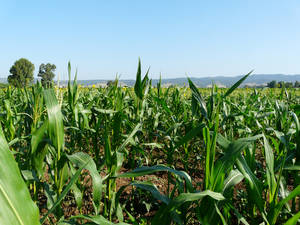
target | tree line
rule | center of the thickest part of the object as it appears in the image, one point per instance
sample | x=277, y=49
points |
x=281, y=84
x=21, y=73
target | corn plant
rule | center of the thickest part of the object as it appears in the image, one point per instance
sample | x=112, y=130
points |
x=149, y=155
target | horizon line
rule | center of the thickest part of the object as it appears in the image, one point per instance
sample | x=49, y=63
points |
x=182, y=77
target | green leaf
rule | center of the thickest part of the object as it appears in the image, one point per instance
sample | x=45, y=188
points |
x=78, y=195
x=220, y=214
x=233, y=179
x=275, y=212
x=39, y=147
x=232, y=152
x=16, y=206
x=56, y=126
x=38, y=136
x=148, y=186
x=292, y=167
x=254, y=183
x=145, y=80
x=105, y=111
x=294, y=220
x=107, y=151
x=96, y=220
x=270, y=168
x=64, y=193
x=149, y=170
x=198, y=98
x=138, y=83
x=133, y=132
x=163, y=216
x=233, y=87
x=82, y=159
x=191, y=134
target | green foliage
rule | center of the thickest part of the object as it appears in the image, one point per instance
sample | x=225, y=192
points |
x=282, y=84
x=146, y=154
x=21, y=73
x=16, y=204
x=272, y=84
x=46, y=72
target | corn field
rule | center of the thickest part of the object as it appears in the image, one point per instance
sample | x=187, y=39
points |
x=149, y=155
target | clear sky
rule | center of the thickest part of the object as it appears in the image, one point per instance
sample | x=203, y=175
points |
x=177, y=38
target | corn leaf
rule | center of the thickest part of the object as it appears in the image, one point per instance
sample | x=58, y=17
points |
x=236, y=85
x=82, y=159
x=64, y=193
x=150, y=170
x=16, y=206
x=55, y=118
x=293, y=220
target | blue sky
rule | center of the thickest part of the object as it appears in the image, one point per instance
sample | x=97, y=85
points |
x=174, y=37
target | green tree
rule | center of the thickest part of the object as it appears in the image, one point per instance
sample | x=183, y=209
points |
x=21, y=73
x=289, y=84
x=281, y=84
x=46, y=72
x=297, y=84
x=272, y=84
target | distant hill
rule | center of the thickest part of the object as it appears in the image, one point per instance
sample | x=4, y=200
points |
x=252, y=80
x=258, y=79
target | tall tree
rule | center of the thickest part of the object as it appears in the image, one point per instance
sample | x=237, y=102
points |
x=46, y=72
x=21, y=73
x=272, y=84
